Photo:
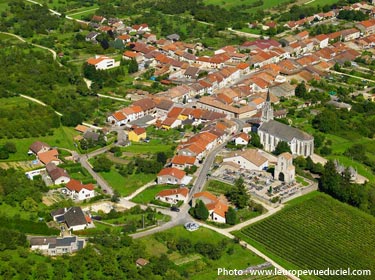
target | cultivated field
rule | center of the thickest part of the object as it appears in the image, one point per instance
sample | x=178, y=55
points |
x=316, y=233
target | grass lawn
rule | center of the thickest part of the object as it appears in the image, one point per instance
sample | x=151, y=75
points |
x=10, y=211
x=128, y=185
x=250, y=30
x=137, y=218
x=5, y=37
x=149, y=194
x=154, y=146
x=239, y=259
x=233, y=3
x=217, y=187
x=316, y=232
x=62, y=137
x=4, y=5
x=77, y=172
x=300, y=180
x=320, y=2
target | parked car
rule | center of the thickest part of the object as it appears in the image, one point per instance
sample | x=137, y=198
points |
x=175, y=209
x=191, y=226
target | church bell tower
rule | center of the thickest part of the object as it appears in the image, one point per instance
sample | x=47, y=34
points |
x=267, y=111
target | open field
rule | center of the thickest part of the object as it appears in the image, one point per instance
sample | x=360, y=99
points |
x=128, y=185
x=316, y=232
x=195, y=264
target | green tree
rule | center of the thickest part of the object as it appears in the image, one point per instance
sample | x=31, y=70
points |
x=301, y=90
x=231, y=216
x=201, y=211
x=238, y=195
x=102, y=164
x=72, y=118
x=10, y=147
x=133, y=66
x=4, y=154
x=161, y=157
x=255, y=140
x=116, y=196
x=281, y=147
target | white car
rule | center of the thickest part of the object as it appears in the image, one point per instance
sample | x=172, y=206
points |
x=191, y=226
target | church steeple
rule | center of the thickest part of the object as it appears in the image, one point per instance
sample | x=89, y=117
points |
x=267, y=111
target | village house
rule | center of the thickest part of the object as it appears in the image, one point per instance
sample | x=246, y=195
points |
x=102, y=62
x=58, y=175
x=169, y=123
x=182, y=162
x=50, y=156
x=173, y=176
x=38, y=147
x=215, y=206
x=72, y=217
x=91, y=37
x=129, y=55
x=137, y=134
x=54, y=246
x=249, y=159
x=78, y=191
x=367, y=27
x=282, y=90
x=242, y=139
x=238, y=111
x=173, y=196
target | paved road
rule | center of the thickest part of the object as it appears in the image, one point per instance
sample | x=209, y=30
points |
x=202, y=177
x=178, y=218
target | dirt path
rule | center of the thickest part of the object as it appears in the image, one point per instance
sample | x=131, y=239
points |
x=35, y=45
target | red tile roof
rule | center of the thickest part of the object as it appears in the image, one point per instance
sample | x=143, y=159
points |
x=180, y=160
x=181, y=191
x=171, y=171
x=75, y=185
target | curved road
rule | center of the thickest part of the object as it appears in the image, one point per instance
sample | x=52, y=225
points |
x=35, y=45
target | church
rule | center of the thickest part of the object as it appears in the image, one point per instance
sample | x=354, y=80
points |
x=272, y=132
